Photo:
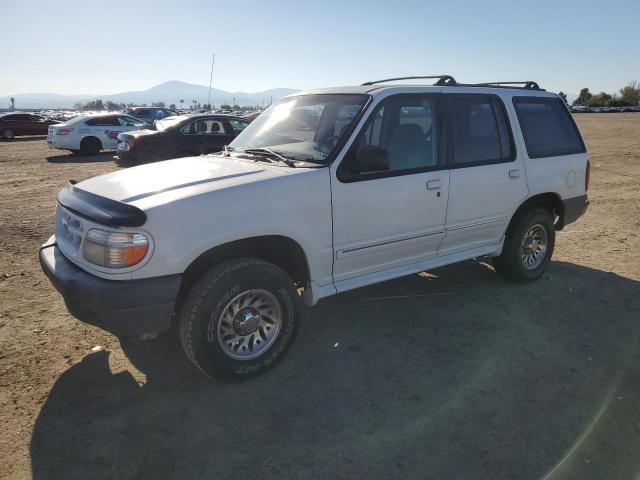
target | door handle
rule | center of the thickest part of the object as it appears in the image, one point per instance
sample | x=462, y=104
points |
x=434, y=184
x=514, y=173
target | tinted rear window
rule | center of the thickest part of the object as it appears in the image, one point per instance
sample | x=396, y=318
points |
x=547, y=127
x=103, y=122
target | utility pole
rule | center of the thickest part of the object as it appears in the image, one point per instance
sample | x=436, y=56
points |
x=213, y=57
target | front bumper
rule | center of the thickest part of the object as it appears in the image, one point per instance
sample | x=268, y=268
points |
x=123, y=307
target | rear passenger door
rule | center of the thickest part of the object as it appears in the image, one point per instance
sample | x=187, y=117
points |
x=217, y=135
x=106, y=129
x=487, y=176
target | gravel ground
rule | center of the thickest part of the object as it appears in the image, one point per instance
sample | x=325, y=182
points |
x=451, y=374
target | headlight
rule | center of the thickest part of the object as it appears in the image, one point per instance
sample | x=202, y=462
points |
x=114, y=249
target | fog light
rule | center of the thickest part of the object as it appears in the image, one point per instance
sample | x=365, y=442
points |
x=114, y=249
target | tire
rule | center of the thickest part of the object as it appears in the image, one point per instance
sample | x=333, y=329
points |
x=528, y=247
x=228, y=322
x=90, y=146
x=8, y=134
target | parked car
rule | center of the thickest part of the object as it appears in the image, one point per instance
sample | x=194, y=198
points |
x=149, y=114
x=17, y=124
x=326, y=191
x=180, y=136
x=93, y=133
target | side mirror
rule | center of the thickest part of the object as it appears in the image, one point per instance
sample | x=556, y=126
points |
x=372, y=159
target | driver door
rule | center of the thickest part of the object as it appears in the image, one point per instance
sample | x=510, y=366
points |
x=385, y=221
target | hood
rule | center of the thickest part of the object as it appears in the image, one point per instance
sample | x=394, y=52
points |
x=144, y=185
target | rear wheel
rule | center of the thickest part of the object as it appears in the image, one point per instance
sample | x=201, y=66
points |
x=90, y=146
x=8, y=134
x=528, y=247
x=239, y=319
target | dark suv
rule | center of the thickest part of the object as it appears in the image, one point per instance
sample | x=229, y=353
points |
x=150, y=114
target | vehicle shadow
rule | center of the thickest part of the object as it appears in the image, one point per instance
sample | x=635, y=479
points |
x=80, y=158
x=26, y=138
x=451, y=374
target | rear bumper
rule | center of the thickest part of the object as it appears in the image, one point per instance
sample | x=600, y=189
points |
x=574, y=208
x=126, y=155
x=124, y=307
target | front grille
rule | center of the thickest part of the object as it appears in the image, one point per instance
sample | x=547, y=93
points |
x=69, y=231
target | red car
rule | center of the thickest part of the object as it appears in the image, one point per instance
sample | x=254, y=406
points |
x=14, y=124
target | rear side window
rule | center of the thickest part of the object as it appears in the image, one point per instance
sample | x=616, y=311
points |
x=547, y=127
x=103, y=122
x=480, y=130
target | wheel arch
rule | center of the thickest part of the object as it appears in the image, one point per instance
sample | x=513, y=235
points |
x=279, y=250
x=550, y=201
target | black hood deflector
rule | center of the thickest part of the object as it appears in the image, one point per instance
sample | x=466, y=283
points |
x=102, y=210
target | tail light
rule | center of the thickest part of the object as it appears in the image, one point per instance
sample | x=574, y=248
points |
x=587, y=174
x=64, y=131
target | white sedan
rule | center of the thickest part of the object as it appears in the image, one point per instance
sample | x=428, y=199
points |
x=90, y=134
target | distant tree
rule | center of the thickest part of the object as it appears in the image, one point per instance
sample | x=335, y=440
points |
x=226, y=106
x=563, y=96
x=112, y=106
x=94, y=105
x=181, y=102
x=172, y=106
x=13, y=103
x=158, y=104
x=631, y=93
x=583, y=98
x=599, y=99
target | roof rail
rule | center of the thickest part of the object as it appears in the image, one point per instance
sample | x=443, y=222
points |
x=442, y=79
x=530, y=85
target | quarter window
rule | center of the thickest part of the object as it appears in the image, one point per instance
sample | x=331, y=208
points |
x=480, y=130
x=547, y=127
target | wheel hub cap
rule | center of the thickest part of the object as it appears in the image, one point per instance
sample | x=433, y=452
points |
x=246, y=321
x=248, y=325
x=534, y=247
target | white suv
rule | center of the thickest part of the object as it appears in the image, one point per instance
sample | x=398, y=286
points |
x=326, y=191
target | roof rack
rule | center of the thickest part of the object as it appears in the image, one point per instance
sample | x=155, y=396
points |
x=448, y=80
x=442, y=79
x=530, y=85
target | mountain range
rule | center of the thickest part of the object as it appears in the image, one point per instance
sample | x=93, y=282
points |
x=168, y=92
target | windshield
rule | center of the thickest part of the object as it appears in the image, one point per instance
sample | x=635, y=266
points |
x=169, y=122
x=305, y=127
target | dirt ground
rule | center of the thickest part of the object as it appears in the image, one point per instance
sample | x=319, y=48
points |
x=455, y=375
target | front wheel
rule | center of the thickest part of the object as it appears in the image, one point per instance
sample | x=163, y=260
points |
x=528, y=247
x=239, y=319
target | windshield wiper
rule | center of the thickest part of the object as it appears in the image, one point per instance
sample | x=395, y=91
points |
x=268, y=152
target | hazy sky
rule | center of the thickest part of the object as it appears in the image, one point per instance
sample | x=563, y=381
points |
x=101, y=47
